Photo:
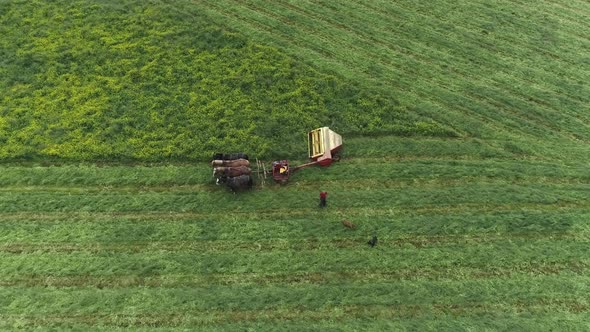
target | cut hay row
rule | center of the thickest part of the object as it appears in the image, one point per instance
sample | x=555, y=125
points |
x=294, y=243
x=461, y=298
x=263, y=231
x=530, y=269
x=378, y=198
x=304, y=320
x=292, y=258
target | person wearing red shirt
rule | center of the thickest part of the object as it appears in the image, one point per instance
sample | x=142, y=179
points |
x=323, y=196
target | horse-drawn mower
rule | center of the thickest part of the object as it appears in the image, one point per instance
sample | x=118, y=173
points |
x=324, y=147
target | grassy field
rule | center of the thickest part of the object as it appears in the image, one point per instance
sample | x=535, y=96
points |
x=478, y=184
x=469, y=238
x=152, y=81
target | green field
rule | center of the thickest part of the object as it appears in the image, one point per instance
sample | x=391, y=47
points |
x=467, y=151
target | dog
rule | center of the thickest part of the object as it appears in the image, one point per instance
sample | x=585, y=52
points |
x=348, y=224
x=373, y=241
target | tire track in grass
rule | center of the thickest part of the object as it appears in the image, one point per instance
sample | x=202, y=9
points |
x=480, y=9
x=465, y=23
x=565, y=10
x=507, y=101
x=572, y=114
x=469, y=31
x=526, y=100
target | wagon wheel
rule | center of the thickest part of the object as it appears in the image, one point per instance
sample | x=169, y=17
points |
x=336, y=157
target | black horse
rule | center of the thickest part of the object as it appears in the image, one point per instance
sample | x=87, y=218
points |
x=230, y=156
x=240, y=183
x=223, y=173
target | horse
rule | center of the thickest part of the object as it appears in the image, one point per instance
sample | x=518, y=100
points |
x=230, y=163
x=223, y=173
x=239, y=183
x=230, y=156
x=231, y=171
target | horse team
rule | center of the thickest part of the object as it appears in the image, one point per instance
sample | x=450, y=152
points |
x=233, y=169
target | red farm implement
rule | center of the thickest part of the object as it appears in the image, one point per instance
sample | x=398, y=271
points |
x=324, y=147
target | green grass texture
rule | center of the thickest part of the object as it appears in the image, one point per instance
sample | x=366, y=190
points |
x=152, y=81
x=466, y=132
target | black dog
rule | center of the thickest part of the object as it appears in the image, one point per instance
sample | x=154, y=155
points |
x=373, y=242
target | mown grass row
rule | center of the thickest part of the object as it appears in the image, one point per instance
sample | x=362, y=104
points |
x=331, y=305
x=293, y=256
x=377, y=198
x=91, y=255
x=249, y=231
x=547, y=291
x=263, y=279
x=399, y=318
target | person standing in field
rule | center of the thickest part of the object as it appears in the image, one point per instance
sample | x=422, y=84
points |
x=323, y=196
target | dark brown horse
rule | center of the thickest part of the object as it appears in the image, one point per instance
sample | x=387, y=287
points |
x=231, y=171
x=240, y=183
x=230, y=163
